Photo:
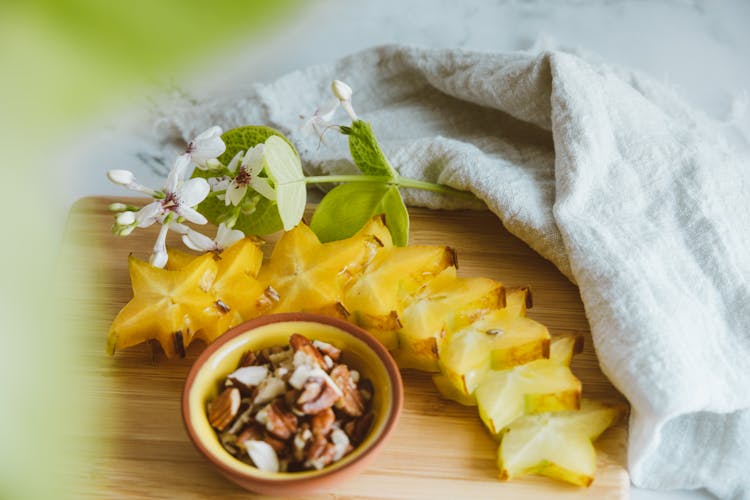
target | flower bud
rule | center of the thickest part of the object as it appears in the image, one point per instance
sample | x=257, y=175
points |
x=121, y=177
x=342, y=91
x=126, y=218
x=117, y=207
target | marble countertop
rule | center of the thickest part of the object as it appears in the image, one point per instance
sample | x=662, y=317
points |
x=699, y=48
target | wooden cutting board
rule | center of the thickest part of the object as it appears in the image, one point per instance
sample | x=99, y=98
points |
x=440, y=449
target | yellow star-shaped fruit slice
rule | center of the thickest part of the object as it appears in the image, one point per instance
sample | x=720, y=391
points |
x=557, y=445
x=169, y=306
x=310, y=276
x=238, y=295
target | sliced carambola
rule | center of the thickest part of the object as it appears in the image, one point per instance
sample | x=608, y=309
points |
x=500, y=339
x=168, y=306
x=444, y=304
x=558, y=445
x=538, y=386
x=374, y=297
x=310, y=276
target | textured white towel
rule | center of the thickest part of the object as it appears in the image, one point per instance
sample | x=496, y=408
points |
x=629, y=192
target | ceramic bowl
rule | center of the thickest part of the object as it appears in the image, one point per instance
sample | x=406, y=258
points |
x=360, y=351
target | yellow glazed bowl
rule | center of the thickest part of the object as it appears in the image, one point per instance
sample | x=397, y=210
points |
x=360, y=351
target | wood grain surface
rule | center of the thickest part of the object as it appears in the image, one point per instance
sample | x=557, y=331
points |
x=440, y=449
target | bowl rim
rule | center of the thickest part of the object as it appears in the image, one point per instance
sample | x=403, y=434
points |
x=394, y=375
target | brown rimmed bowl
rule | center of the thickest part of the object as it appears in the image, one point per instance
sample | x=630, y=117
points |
x=360, y=351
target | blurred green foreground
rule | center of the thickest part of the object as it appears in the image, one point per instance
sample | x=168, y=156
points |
x=62, y=63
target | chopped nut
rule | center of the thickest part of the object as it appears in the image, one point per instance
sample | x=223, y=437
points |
x=223, y=409
x=322, y=422
x=280, y=422
x=301, y=441
x=276, y=409
x=269, y=389
x=317, y=396
x=263, y=455
x=321, y=453
x=300, y=343
x=248, y=359
x=351, y=400
x=252, y=432
x=248, y=376
x=278, y=445
x=327, y=349
x=357, y=429
x=340, y=442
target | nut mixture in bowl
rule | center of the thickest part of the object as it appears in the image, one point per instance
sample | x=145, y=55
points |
x=292, y=408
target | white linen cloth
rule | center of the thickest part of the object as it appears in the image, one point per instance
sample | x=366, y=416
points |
x=630, y=193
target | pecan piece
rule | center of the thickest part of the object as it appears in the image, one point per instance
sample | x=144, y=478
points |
x=302, y=343
x=317, y=395
x=280, y=422
x=301, y=442
x=223, y=409
x=351, y=400
x=322, y=422
x=278, y=445
x=251, y=432
x=320, y=454
x=328, y=350
x=357, y=429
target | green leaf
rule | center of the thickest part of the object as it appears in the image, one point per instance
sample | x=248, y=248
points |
x=244, y=138
x=366, y=152
x=264, y=219
x=348, y=207
x=285, y=171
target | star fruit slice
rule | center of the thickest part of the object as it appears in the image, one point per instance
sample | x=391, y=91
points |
x=374, y=298
x=167, y=305
x=443, y=305
x=500, y=339
x=557, y=445
x=310, y=276
x=542, y=385
x=238, y=294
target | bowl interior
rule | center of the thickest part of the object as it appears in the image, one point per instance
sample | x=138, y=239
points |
x=220, y=363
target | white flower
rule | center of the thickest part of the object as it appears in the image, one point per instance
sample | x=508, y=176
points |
x=179, y=198
x=207, y=146
x=320, y=121
x=225, y=237
x=248, y=175
x=170, y=206
x=343, y=93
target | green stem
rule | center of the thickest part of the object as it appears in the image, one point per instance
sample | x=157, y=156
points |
x=322, y=179
x=398, y=181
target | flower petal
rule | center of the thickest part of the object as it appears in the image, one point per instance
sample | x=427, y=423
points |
x=263, y=187
x=192, y=215
x=226, y=237
x=148, y=214
x=206, y=146
x=214, y=131
x=174, y=179
x=197, y=241
x=235, y=194
x=232, y=167
x=326, y=111
x=218, y=183
x=253, y=160
x=193, y=192
x=159, y=255
x=179, y=228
